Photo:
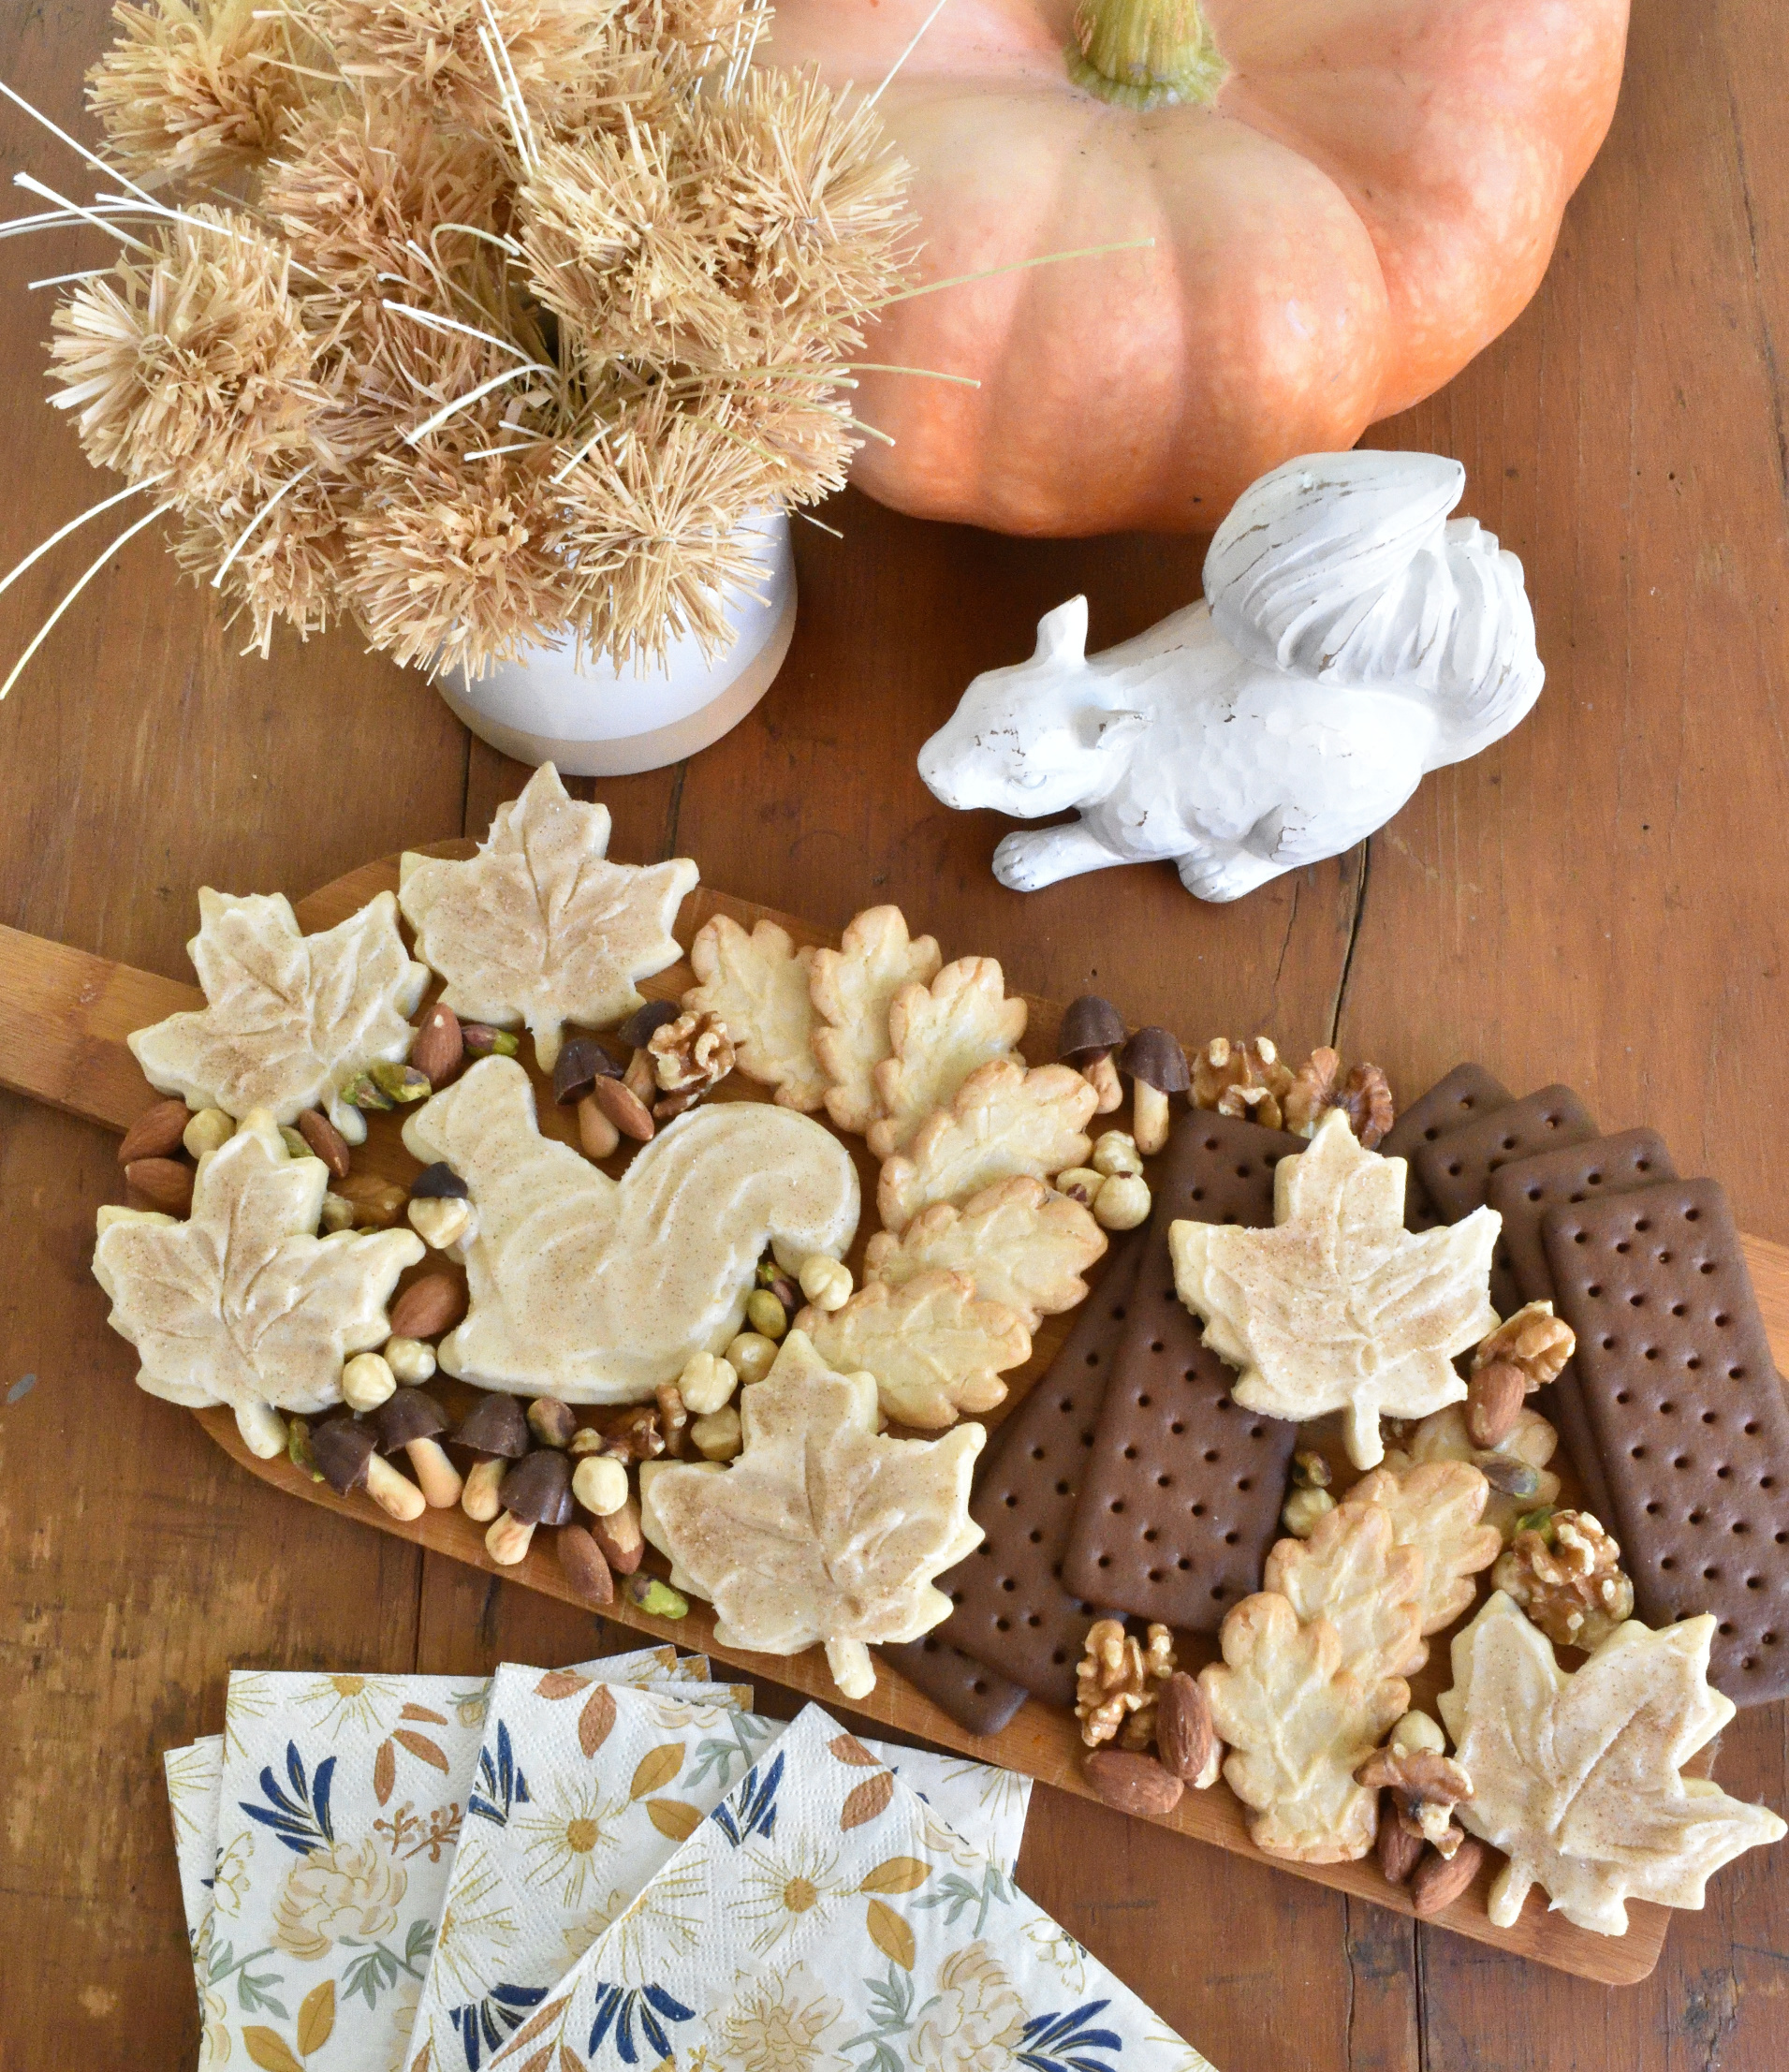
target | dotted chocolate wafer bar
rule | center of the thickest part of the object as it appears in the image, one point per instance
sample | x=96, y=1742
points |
x=974, y=1695
x=1180, y=1497
x=1013, y=1612
x=1451, y=1103
x=1681, y=1394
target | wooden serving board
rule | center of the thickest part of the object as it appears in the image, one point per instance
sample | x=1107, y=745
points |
x=64, y=1018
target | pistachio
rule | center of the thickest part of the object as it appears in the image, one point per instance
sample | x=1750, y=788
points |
x=1539, y=1521
x=752, y=1355
x=365, y=1093
x=826, y=1282
x=297, y=1146
x=656, y=1598
x=482, y=1041
x=404, y=1083
x=1508, y=1476
x=1310, y=1470
x=211, y=1127
x=297, y=1448
x=766, y=1314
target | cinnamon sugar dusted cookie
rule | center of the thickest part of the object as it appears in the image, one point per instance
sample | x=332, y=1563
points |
x=758, y=985
x=853, y=988
x=1019, y=1242
x=1003, y=1121
x=938, y=1035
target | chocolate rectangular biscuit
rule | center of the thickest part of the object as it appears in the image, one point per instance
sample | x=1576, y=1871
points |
x=1467, y=1092
x=1182, y=1491
x=1456, y=1170
x=1012, y=1611
x=1682, y=1393
x=1522, y=1193
x=970, y=1692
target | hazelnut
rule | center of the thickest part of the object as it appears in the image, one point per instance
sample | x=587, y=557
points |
x=1080, y=1184
x=706, y=1385
x=1116, y=1151
x=1122, y=1203
x=752, y=1355
x=440, y=1220
x=1303, y=1508
x=766, y=1314
x=1417, y=1734
x=338, y=1212
x=367, y=1382
x=826, y=1283
x=552, y=1423
x=600, y=1484
x=210, y=1128
x=718, y=1436
x=410, y=1360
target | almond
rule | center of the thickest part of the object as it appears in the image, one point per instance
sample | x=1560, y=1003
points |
x=1441, y=1880
x=619, y=1536
x=1183, y=1727
x=427, y=1306
x=1494, y=1397
x=155, y=1133
x=1136, y=1785
x=327, y=1142
x=1400, y=1851
x=439, y=1046
x=582, y=1563
x=377, y=1205
x=163, y=1183
x=624, y=1108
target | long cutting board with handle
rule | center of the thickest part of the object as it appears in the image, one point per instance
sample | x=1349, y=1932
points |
x=64, y=1018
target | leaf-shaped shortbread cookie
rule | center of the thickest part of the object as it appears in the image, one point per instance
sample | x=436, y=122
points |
x=936, y=1349
x=1577, y=1777
x=1019, y=1242
x=938, y=1034
x=1352, y=1573
x=852, y=988
x=1297, y=1725
x=1437, y=1509
x=290, y=1017
x=243, y=1303
x=819, y=1531
x=539, y=926
x=1444, y=1436
x=1339, y=1307
x=758, y=986
x=1004, y=1120
x=595, y=1290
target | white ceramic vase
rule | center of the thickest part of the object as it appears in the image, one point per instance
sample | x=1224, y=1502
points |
x=600, y=722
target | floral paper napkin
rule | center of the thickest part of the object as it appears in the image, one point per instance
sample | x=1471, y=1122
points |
x=334, y=1818
x=823, y=1915
x=584, y=1793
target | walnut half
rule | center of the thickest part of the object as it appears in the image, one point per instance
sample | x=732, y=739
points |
x=1566, y=1574
x=1119, y=1681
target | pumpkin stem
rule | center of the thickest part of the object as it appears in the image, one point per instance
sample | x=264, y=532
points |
x=1145, y=53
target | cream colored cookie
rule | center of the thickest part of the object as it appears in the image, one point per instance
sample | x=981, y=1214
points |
x=1437, y=1509
x=1299, y=1723
x=936, y=1349
x=290, y=1019
x=1577, y=1778
x=1019, y=1242
x=852, y=988
x=758, y=984
x=1339, y=1307
x=540, y=927
x=243, y=1303
x=1003, y=1121
x=938, y=1034
x=1352, y=1573
x=819, y=1531
x=1444, y=1436
x=595, y=1290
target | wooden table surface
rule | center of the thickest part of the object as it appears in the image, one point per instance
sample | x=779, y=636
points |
x=1600, y=900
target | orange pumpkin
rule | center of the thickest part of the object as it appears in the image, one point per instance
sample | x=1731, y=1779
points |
x=1348, y=199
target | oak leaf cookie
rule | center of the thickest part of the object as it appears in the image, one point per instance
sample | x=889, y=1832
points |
x=540, y=927
x=1339, y=1307
x=934, y=1346
x=290, y=1019
x=243, y=1303
x=758, y=986
x=1299, y=1723
x=852, y=988
x=1437, y=1509
x=1442, y=1436
x=1577, y=1777
x=1019, y=1242
x=1352, y=1573
x=938, y=1034
x=1004, y=1121
x=819, y=1531
x=596, y=1290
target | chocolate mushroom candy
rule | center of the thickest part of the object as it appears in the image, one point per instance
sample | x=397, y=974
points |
x=1092, y=1029
x=347, y=1459
x=1157, y=1066
x=636, y=1033
x=577, y=1069
x=495, y=1432
x=535, y=1491
x=413, y=1420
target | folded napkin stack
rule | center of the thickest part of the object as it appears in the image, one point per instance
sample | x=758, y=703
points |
x=618, y=1864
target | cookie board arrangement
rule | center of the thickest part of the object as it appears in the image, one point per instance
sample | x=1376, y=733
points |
x=1141, y=1463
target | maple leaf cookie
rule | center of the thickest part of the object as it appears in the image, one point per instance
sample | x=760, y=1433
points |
x=758, y=985
x=243, y=1303
x=853, y=988
x=1019, y=1242
x=540, y=926
x=1339, y=1307
x=819, y=1531
x=290, y=1019
x=935, y=1348
x=1003, y=1120
x=938, y=1034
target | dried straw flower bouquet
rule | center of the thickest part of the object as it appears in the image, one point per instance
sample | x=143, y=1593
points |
x=482, y=324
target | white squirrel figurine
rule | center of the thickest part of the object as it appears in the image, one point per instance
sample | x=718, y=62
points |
x=1351, y=638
